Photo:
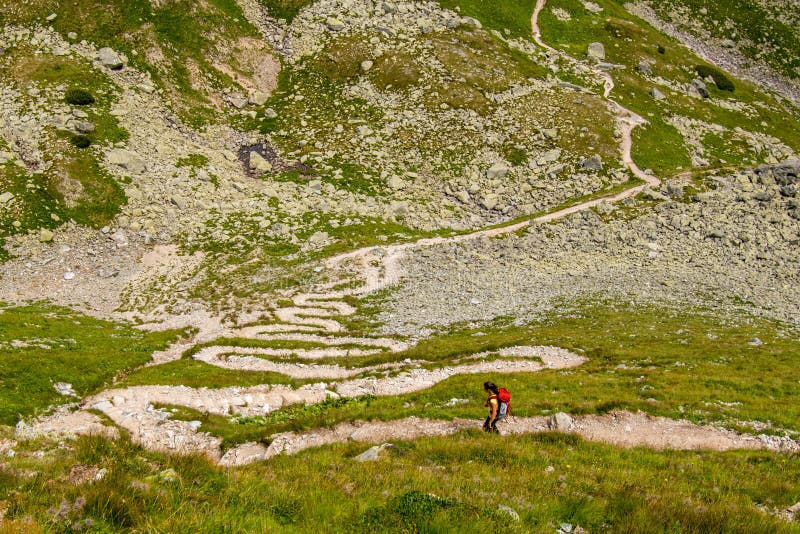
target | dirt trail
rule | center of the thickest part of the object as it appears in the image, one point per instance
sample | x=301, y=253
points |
x=620, y=428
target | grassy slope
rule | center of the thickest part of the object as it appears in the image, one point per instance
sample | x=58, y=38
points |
x=63, y=347
x=770, y=39
x=628, y=41
x=450, y=484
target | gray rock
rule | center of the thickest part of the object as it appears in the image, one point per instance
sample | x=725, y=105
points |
x=550, y=133
x=475, y=23
x=64, y=388
x=701, y=88
x=46, y=236
x=318, y=239
x=258, y=98
x=109, y=59
x=560, y=421
x=644, y=68
x=657, y=94
x=83, y=127
x=127, y=160
x=6, y=197
x=651, y=194
x=366, y=65
x=596, y=51
x=396, y=183
x=373, y=453
x=595, y=163
x=498, y=170
x=728, y=43
x=334, y=24
x=258, y=163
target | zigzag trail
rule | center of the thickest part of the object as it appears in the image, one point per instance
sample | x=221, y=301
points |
x=315, y=318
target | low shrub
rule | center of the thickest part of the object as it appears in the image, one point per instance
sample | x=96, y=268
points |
x=723, y=82
x=78, y=97
x=80, y=141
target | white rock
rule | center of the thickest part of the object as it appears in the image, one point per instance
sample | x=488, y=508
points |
x=6, y=197
x=258, y=163
x=127, y=160
x=109, y=59
x=69, y=275
x=596, y=51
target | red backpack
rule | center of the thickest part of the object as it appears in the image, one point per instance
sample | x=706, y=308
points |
x=504, y=396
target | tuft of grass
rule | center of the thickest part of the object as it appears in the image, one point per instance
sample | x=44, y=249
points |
x=722, y=82
x=78, y=97
x=80, y=141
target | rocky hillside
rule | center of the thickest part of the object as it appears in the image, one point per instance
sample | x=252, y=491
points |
x=241, y=229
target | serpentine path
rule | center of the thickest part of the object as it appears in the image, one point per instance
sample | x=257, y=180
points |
x=309, y=329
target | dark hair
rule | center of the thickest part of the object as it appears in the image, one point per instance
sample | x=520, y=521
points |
x=489, y=386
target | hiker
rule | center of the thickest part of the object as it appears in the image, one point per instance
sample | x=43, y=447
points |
x=498, y=404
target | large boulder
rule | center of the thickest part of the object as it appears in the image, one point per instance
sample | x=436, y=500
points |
x=109, y=59
x=595, y=163
x=560, y=421
x=258, y=163
x=596, y=51
x=127, y=160
x=498, y=170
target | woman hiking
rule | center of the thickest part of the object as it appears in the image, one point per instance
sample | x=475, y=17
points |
x=497, y=409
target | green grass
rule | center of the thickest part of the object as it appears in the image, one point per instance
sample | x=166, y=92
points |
x=63, y=346
x=195, y=374
x=514, y=16
x=432, y=485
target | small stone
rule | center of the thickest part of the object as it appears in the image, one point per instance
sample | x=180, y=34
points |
x=366, y=65
x=550, y=133
x=51, y=17
x=334, y=24
x=69, y=275
x=72, y=36
x=644, y=68
x=6, y=197
x=373, y=453
x=46, y=236
x=755, y=342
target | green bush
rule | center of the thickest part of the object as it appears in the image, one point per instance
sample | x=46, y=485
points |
x=78, y=97
x=80, y=141
x=723, y=82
